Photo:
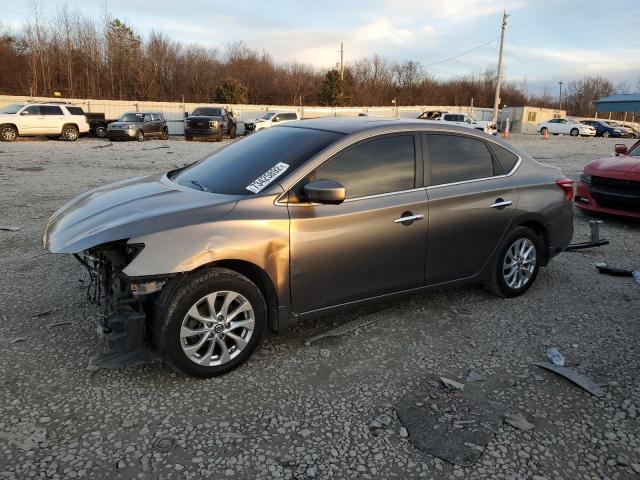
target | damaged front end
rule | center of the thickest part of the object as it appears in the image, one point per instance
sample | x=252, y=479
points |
x=124, y=302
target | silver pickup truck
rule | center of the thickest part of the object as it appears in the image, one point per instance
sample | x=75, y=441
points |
x=461, y=120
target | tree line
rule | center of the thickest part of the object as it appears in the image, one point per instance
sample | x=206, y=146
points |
x=84, y=57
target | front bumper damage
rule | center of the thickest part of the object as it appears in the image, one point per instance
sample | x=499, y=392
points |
x=123, y=320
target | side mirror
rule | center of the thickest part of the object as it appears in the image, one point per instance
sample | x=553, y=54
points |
x=186, y=114
x=620, y=149
x=274, y=120
x=325, y=191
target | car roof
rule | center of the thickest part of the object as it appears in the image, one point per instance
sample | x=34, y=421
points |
x=349, y=125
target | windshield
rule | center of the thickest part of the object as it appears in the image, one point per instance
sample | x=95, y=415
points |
x=252, y=164
x=635, y=150
x=207, y=112
x=131, y=117
x=267, y=115
x=13, y=108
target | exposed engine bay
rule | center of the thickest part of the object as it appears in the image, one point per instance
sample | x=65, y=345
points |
x=124, y=304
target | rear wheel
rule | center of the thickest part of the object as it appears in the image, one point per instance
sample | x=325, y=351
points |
x=605, y=134
x=212, y=323
x=8, y=133
x=140, y=136
x=100, y=131
x=574, y=132
x=517, y=264
x=70, y=133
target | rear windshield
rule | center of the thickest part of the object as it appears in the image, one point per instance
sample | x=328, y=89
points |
x=252, y=164
x=208, y=112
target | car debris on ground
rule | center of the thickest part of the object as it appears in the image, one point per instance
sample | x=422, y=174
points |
x=574, y=376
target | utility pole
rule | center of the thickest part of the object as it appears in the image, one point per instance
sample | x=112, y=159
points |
x=496, y=101
x=560, y=95
x=342, y=61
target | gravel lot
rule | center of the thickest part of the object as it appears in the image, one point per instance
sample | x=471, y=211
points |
x=319, y=411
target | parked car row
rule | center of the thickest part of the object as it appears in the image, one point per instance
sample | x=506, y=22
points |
x=565, y=126
x=608, y=128
x=460, y=119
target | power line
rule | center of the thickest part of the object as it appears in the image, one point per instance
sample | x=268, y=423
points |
x=461, y=54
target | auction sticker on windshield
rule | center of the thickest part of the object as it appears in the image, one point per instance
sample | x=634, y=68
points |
x=267, y=177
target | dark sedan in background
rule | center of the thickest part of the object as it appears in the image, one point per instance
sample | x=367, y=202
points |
x=609, y=129
x=306, y=218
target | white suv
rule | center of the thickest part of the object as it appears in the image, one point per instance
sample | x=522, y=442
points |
x=268, y=120
x=47, y=119
x=461, y=120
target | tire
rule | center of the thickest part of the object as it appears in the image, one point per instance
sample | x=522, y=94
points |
x=165, y=134
x=606, y=134
x=8, y=133
x=218, y=137
x=233, y=132
x=70, y=133
x=193, y=295
x=100, y=131
x=543, y=130
x=574, y=132
x=140, y=136
x=501, y=282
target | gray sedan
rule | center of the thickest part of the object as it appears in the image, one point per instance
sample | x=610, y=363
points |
x=305, y=218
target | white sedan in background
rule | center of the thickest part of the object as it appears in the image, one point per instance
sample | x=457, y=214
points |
x=565, y=126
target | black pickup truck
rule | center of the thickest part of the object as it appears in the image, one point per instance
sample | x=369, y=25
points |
x=98, y=124
x=210, y=122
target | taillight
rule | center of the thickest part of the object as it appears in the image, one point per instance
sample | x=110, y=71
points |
x=566, y=185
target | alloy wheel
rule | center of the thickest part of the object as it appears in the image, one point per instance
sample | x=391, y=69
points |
x=519, y=263
x=71, y=134
x=8, y=134
x=217, y=328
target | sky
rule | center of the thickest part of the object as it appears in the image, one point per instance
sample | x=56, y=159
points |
x=546, y=40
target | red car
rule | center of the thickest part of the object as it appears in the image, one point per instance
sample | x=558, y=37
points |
x=611, y=185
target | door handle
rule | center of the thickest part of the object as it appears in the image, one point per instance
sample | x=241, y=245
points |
x=500, y=203
x=408, y=219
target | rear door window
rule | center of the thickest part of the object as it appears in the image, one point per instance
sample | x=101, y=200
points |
x=382, y=165
x=456, y=158
x=50, y=110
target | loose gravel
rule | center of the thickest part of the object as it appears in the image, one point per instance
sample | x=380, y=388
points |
x=319, y=411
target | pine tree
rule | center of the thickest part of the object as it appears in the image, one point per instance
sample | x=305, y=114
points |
x=332, y=92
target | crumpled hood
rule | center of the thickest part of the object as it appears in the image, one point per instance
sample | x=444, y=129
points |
x=621, y=163
x=130, y=208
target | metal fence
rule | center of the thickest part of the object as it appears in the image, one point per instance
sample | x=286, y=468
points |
x=174, y=111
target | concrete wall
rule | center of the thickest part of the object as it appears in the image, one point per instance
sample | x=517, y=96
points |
x=174, y=111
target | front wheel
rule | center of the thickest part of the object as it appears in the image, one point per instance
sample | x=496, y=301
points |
x=574, y=132
x=8, y=133
x=165, y=134
x=212, y=323
x=233, y=132
x=517, y=264
x=544, y=130
x=70, y=133
x=605, y=134
x=140, y=136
